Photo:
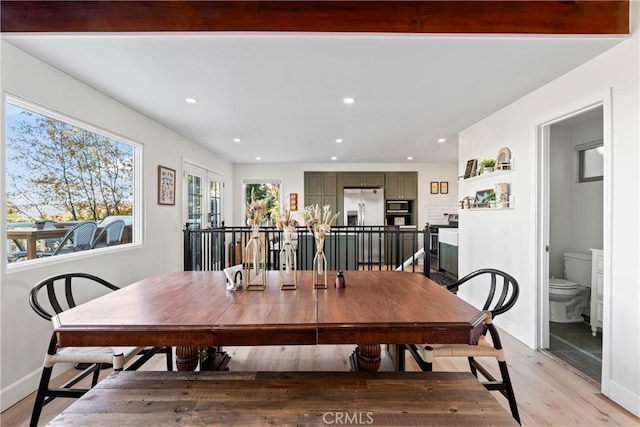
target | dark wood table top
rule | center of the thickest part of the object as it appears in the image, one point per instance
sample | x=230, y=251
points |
x=189, y=308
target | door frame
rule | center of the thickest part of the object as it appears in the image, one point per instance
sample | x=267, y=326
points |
x=604, y=100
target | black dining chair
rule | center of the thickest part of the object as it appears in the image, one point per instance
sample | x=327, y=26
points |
x=61, y=293
x=502, y=296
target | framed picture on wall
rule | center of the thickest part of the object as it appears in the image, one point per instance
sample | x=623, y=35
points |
x=444, y=187
x=470, y=170
x=166, y=185
x=434, y=187
x=482, y=197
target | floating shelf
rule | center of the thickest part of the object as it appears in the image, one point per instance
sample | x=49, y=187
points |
x=486, y=175
x=486, y=209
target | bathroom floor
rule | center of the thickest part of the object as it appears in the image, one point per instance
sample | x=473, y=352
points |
x=574, y=344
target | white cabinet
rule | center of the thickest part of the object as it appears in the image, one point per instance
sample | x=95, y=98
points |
x=597, y=273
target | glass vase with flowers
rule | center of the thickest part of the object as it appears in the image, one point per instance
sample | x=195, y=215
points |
x=288, y=261
x=318, y=221
x=255, y=275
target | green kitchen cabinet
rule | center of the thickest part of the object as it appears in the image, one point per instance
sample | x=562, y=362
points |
x=448, y=258
x=363, y=179
x=401, y=186
x=320, y=184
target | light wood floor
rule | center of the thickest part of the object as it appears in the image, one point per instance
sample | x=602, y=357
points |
x=549, y=393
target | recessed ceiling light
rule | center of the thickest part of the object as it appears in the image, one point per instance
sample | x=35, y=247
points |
x=441, y=140
x=339, y=140
x=236, y=139
x=410, y=158
x=258, y=158
x=334, y=158
x=349, y=100
x=191, y=100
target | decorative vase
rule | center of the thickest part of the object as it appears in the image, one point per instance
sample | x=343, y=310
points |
x=255, y=274
x=288, y=261
x=502, y=194
x=319, y=265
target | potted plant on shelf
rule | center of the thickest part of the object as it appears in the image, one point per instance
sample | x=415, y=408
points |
x=487, y=165
x=491, y=199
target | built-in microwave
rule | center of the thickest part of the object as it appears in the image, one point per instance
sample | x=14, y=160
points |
x=397, y=206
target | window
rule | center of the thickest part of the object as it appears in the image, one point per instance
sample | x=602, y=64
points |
x=264, y=189
x=61, y=172
x=590, y=161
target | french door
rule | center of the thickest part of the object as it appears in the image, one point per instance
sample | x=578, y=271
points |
x=202, y=197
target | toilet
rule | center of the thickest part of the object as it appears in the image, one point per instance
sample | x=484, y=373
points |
x=568, y=297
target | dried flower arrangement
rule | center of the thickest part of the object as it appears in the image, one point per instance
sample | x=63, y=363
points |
x=286, y=220
x=318, y=221
x=256, y=211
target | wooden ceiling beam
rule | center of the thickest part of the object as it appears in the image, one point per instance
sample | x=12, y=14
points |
x=471, y=17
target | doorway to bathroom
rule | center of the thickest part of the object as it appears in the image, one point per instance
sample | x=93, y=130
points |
x=573, y=191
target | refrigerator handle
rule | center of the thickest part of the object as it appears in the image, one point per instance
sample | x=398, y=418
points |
x=362, y=212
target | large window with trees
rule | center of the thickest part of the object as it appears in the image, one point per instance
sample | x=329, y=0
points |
x=61, y=173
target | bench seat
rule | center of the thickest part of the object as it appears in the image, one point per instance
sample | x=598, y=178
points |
x=286, y=398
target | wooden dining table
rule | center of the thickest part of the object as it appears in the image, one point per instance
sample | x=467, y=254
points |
x=33, y=235
x=194, y=309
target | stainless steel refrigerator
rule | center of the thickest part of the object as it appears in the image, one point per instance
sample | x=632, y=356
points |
x=365, y=207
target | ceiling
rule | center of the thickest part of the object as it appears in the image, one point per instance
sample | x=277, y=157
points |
x=281, y=94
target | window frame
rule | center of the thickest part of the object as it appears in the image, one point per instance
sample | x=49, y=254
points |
x=254, y=181
x=581, y=149
x=137, y=187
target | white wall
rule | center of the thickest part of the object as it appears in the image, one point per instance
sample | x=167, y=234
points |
x=576, y=214
x=509, y=239
x=25, y=335
x=292, y=176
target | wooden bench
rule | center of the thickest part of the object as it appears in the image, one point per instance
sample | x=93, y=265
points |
x=155, y=398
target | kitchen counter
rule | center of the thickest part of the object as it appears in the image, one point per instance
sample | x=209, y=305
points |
x=449, y=236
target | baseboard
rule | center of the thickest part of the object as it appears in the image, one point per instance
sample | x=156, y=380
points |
x=26, y=385
x=20, y=389
x=624, y=397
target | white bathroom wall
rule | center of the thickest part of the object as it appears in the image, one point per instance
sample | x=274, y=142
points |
x=25, y=336
x=576, y=209
x=559, y=202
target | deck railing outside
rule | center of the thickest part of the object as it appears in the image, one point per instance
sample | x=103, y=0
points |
x=346, y=248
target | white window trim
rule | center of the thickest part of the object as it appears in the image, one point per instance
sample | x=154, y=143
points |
x=138, y=186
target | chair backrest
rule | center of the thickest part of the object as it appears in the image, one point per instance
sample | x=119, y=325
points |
x=503, y=289
x=112, y=233
x=80, y=237
x=60, y=292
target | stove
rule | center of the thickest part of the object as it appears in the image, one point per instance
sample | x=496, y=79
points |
x=434, y=247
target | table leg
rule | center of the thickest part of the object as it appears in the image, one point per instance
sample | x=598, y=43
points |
x=366, y=357
x=32, y=247
x=187, y=358
x=214, y=359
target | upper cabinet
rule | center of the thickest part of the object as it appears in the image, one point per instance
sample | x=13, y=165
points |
x=321, y=188
x=401, y=185
x=362, y=179
x=320, y=184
